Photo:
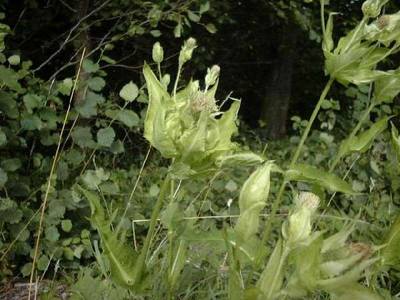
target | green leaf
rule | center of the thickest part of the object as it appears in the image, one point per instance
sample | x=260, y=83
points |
x=246, y=159
x=396, y=142
x=105, y=136
x=271, y=278
x=122, y=258
x=3, y=178
x=65, y=86
x=88, y=108
x=157, y=96
x=42, y=262
x=93, y=178
x=31, y=122
x=179, y=260
x=66, y=225
x=3, y=138
x=9, y=78
x=89, y=66
x=211, y=28
x=32, y=101
x=193, y=17
x=327, y=44
x=26, y=269
x=129, y=118
x=14, y=60
x=8, y=105
x=302, y=172
x=82, y=136
x=391, y=253
x=117, y=147
x=96, y=83
x=129, y=92
x=11, y=165
x=52, y=234
x=387, y=88
x=204, y=7
x=363, y=141
x=355, y=291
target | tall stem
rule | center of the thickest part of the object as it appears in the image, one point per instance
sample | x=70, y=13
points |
x=311, y=122
x=278, y=199
x=177, y=80
x=153, y=221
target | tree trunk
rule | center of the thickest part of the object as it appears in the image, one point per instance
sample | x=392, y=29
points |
x=83, y=42
x=275, y=106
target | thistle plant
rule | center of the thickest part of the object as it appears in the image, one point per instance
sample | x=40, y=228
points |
x=189, y=127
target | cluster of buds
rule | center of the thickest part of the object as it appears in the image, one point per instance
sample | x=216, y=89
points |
x=212, y=75
x=385, y=29
x=184, y=125
x=357, y=54
x=187, y=50
x=372, y=8
x=297, y=229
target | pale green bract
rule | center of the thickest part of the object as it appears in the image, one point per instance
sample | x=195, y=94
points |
x=188, y=127
x=356, y=55
x=252, y=199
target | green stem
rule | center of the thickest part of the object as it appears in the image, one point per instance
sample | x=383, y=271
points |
x=177, y=80
x=278, y=199
x=159, y=71
x=311, y=122
x=153, y=221
x=171, y=244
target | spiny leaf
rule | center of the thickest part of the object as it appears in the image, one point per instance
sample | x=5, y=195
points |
x=396, y=142
x=246, y=159
x=302, y=172
x=271, y=278
x=363, y=141
x=157, y=96
x=391, y=253
x=122, y=258
x=387, y=88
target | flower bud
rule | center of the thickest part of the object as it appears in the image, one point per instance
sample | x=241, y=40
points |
x=165, y=80
x=256, y=187
x=212, y=75
x=187, y=50
x=310, y=200
x=298, y=227
x=372, y=8
x=252, y=200
x=158, y=53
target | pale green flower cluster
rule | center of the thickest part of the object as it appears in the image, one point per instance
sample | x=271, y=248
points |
x=188, y=125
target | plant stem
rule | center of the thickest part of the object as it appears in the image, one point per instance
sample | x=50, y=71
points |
x=159, y=71
x=311, y=122
x=177, y=80
x=153, y=221
x=278, y=199
x=171, y=244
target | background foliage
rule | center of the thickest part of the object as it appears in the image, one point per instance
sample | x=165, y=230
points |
x=270, y=56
